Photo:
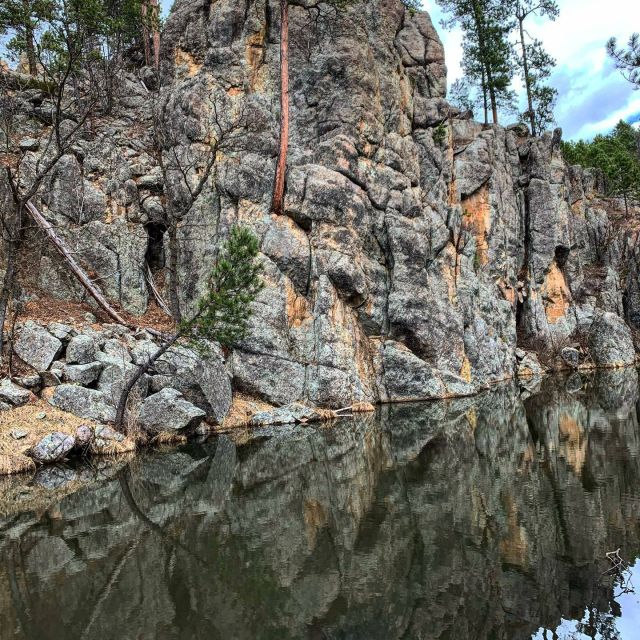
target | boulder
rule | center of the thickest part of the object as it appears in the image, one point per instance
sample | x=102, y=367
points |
x=571, y=357
x=529, y=366
x=61, y=331
x=115, y=350
x=84, y=436
x=201, y=378
x=82, y=374
x=53, y=447
x=167, y=410
x=610, y=341
x=36, y=346
x=13, y=394
x=83, y=402
x=114, y=377
x=81, y=350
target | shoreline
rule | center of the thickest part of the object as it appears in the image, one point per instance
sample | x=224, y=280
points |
x=21, y=428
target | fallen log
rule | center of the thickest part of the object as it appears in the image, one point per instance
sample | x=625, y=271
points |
x=74, y=267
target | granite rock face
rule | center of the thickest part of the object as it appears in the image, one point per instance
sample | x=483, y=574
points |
x=418, y=249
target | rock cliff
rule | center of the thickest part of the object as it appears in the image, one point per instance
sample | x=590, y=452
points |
x=419, y=249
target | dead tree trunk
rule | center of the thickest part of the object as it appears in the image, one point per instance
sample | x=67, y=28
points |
x=277, y=205
x=75, y=268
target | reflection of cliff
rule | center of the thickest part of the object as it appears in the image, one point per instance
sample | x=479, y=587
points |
x=479, y=518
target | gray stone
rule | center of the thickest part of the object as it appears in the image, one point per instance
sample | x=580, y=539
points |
x=84, y=436
x=571, y=356
x=167, y=410
x=36, y=346
x=18, y=434
x=13, y=394
x=30, y=382
x=530, y=367
x=29, y=144
x=113, y=379
x=83, y=402
x=53, y=447
x=114, y=349
x=81, y=350
x=610, y=341
x=82, y=374
x=201, y=378
x=61, y=331
x=52, y=378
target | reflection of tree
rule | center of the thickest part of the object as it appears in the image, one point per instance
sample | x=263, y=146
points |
x=600, y=625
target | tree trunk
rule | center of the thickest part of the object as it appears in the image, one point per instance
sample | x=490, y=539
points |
x=277, y=205
x=142, y=369
x=145, y=32
x=174, y=298
x=75, y=268
x=527, y=78
x=484, y=98
x=8, y=282
x=485, y=61
x=155, y=10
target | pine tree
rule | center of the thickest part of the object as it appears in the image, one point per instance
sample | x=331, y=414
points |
x=535, y=64
x=22, y=19
x=487, y=53
x=627, y=60
x=617, y=158
x=223, y=311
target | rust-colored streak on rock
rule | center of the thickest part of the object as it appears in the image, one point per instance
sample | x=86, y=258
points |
x=477, y=218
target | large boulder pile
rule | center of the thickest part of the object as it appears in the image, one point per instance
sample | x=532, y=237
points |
x=84, y=371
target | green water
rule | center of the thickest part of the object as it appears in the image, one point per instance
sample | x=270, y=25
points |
x=486, y=518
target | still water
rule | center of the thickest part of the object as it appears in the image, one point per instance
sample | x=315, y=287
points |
x=483, y=518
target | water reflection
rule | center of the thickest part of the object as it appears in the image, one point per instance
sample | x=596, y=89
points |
x=484, y=518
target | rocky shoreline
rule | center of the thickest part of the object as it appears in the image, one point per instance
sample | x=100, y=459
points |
x=65, y=407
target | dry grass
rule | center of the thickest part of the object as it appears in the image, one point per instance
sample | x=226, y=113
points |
x=26, y=419
x=242, y=409
x=363, y=407
x=45, y=309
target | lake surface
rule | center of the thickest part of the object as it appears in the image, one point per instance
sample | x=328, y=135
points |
x=485, y=518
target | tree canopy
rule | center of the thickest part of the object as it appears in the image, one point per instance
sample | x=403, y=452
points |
x=616, y=155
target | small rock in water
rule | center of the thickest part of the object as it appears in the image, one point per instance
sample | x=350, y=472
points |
x=18, y=434
x=109, y=433
x=53, y=447
x=290, y=414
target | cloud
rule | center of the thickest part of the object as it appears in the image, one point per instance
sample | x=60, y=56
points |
x=593, y=95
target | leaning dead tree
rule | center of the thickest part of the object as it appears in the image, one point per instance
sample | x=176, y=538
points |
x=78, y=56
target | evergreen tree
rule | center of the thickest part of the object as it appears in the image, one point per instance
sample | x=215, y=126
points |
x=224, y=310
x=627, y=60
x=535, y=63
x=616, y=156
x=487, y=60
x=22, y=20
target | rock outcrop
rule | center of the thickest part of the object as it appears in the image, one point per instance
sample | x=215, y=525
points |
x=418, y=248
